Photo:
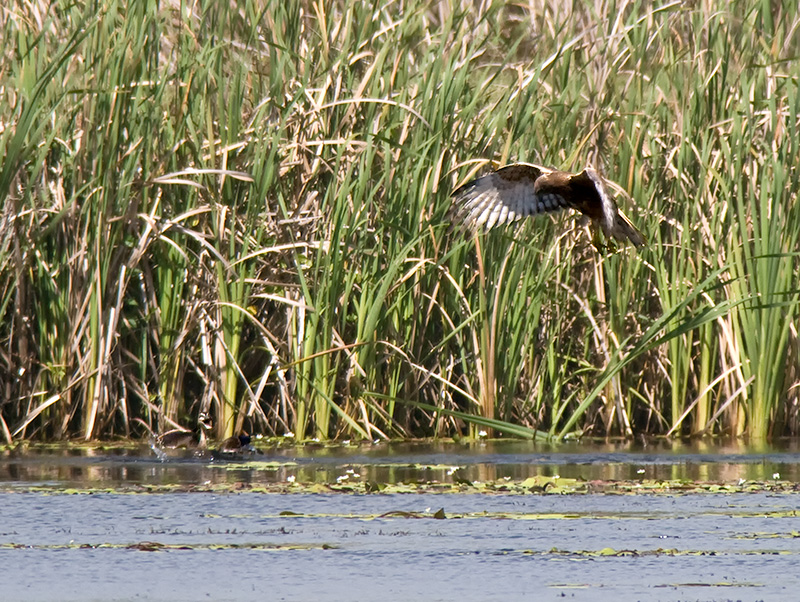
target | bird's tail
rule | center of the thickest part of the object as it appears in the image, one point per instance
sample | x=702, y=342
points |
x=625, y=229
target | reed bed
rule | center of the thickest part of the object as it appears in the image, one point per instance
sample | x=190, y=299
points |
x=244, y=207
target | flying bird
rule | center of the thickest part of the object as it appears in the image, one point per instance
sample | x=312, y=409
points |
x=523, y=189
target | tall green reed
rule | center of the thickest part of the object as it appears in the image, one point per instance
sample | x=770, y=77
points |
x=245, y=208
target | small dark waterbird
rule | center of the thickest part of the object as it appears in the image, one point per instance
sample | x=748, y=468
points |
x=234, y=448
x=233, y=445
x=524, y=189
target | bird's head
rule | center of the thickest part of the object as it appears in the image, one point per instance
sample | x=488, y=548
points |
x=205, y=422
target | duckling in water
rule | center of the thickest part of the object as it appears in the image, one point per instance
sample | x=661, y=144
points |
x=236, y=444
x=234, y=447
x=195, y=439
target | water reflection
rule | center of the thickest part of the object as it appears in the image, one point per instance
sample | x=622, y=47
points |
x=437, y=461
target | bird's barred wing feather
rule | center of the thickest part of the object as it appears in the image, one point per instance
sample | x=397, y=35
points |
x=504, y=196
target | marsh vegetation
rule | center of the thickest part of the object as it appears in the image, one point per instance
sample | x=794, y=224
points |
x=242, y=207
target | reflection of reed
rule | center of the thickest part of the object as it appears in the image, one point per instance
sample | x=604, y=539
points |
x=97, y=466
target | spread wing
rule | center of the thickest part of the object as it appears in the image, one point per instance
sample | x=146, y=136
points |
x=504, y=196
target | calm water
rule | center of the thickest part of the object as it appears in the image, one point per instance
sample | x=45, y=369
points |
x=406, y=462
x=238, y=546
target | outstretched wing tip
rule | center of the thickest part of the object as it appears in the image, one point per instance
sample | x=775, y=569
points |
x=504, y=196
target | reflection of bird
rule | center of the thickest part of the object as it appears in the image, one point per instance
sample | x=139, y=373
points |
x=196, y=438
x=516, y=191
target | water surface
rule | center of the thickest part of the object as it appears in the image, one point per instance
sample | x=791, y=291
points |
x=55, y=544
x=405, y=462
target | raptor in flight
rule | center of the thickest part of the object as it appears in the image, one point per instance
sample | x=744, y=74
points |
x=522, y=189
